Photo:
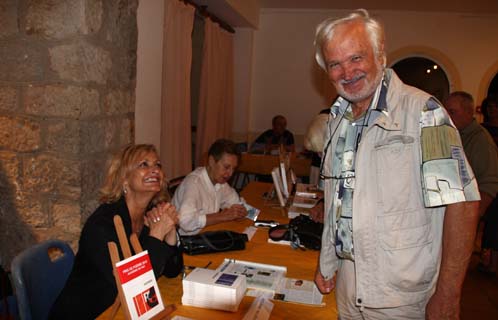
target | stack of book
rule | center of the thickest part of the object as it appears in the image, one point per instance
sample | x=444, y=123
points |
x=213, y=289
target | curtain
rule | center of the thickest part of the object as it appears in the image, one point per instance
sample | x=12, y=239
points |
x=176, y=141
x=216, y=100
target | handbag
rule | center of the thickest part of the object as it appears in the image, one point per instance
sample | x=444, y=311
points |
x=213, y=241
x=301, y=231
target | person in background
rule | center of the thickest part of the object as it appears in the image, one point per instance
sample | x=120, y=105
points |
x=271, y=140
x=134, y=190
x=204, y=197
x=478, y=145
x=489, y=109
x=489, y=243
x=401, y=201
x=313, y=141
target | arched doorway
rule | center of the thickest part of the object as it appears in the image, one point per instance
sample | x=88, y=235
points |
x=493, y=86
x=424, y=74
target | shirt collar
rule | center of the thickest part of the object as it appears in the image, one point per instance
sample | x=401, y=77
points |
x=208, y=181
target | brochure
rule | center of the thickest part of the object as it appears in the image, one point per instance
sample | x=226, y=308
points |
x=252, y=212
x=299, y=291
x=259, y=276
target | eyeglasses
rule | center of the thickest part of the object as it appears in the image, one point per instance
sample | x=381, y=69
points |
x=346, y=176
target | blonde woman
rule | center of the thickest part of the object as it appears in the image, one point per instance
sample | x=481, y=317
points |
x=133, y=189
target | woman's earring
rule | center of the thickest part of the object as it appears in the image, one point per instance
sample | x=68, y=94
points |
x=125, y=191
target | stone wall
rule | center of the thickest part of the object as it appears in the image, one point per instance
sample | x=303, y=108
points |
x=67, y=81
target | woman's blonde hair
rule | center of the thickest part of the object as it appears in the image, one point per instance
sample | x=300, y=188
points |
x=120, y=167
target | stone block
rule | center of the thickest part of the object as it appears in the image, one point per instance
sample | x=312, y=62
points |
x=121, y=23
x=31, y=211
x=63, y=136
x=19, y=134
x=8, y=18
x=67, y=215
x=92, y=136
x=43, y=234
x=62, y=101
x=21, y=61
x=9, y=175
x=124, y=68
x=118, y=102
x=8, y=98
x=15, y=236
x=92, y=180
x=87, y=208
x=62, y=19
x=81, y=62
x=47, y=173
x=126, y=132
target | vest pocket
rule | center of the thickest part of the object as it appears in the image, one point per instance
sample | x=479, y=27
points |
x=406, y=258
x=398, y=183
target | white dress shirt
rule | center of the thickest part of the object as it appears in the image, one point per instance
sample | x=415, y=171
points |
x=197, y=196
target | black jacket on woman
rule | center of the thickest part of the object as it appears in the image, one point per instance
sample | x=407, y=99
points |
x=91, y=287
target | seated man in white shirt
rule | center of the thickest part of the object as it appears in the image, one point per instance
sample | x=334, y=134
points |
x=204, y=197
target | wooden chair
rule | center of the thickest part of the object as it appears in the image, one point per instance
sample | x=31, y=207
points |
x=114, y=254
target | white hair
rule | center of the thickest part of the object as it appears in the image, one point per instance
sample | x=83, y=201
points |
x=325, y=33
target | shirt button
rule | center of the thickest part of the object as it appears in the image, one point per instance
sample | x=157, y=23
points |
x=359, y=301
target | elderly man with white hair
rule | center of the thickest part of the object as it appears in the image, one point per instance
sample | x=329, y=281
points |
x=401, y=200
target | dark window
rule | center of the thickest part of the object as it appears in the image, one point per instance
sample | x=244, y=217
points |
x=493, y=86
x=424, y=74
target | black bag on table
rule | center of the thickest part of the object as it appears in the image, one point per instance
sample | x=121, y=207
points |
x=301, y=231
x=213, y=241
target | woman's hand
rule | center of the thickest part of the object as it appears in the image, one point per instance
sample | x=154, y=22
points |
x=235, y=212
x=162, y=221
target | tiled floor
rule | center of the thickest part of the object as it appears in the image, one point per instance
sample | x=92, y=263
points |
x=479, y=295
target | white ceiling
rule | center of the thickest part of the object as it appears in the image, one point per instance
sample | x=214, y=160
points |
x=467, y=6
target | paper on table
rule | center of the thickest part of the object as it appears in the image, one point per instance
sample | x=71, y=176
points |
x=250, y=231
x=299, y=291
x=260, y=309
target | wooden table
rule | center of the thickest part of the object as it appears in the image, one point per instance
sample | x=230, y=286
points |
x=263, y=164
x=300, y=264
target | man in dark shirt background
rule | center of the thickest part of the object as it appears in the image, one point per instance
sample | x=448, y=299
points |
x=269, y=141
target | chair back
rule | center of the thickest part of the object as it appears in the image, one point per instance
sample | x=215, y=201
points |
x=38, y=275
x=173, y=184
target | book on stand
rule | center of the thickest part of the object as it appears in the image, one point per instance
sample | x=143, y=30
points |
x=277, y=184
x=139, y=286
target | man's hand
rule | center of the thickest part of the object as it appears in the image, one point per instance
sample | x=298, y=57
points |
x=316, y=213
x=442, y=306
x=325, y=286
x=460, y=221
